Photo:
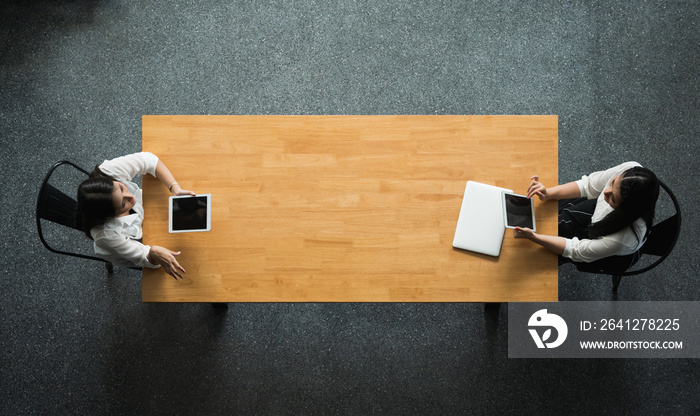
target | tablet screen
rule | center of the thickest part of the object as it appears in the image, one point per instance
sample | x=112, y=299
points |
x=518, y=211
x=190, y=213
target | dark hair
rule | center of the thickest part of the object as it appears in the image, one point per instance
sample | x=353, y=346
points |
x=95, y=203
x=639, y=190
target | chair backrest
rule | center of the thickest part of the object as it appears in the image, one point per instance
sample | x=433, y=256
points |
x=54, y=205
x=660, y=242
x=663, y=236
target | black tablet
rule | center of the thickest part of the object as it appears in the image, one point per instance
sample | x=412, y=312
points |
x=518, y=211
x=189, y=214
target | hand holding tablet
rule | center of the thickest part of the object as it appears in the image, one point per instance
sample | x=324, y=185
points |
x=518, y=211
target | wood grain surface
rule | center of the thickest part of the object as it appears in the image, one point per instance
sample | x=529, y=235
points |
x=347, y=208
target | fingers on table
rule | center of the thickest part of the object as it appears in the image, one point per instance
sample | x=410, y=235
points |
x=174, y=268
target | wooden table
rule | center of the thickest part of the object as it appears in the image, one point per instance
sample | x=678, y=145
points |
x=347, y=208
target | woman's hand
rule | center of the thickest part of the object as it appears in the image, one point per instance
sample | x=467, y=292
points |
x=521, y=232
x=166, y=258
x=177, y=191
x=536, y=188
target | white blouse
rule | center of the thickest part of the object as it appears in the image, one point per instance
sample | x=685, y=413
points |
x=117, y=239
x=620, y=243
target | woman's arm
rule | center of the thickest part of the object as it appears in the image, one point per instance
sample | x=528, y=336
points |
x=164, y=175
x=587, y=250
x=161, y=255
x=124, y=168
x=582, y=251
x=555, y=244
x=138, y=254
x=566, y=191
x=594, y=184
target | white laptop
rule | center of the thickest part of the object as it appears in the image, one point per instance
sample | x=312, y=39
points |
x=480, y=226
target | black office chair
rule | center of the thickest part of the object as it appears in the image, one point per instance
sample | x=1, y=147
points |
x=660, y=243
x=55, y=206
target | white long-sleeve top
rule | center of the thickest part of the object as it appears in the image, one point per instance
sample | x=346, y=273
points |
x=621, y=243
x=116, y=239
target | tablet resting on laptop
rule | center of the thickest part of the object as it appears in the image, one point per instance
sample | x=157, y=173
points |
x=480, y=225
x=189, y=214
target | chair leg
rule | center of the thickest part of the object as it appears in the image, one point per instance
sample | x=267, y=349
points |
x=220, y=307
x=616, y=282
x=492, y=306
x=110, y=267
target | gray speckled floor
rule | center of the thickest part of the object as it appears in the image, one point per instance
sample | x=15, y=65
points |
x=76, y=77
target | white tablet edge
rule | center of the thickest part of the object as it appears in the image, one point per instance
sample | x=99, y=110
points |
x=170, y=214
x=505, y=214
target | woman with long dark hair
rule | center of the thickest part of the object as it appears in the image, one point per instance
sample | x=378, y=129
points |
x=110, y=211
x=604, y=216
